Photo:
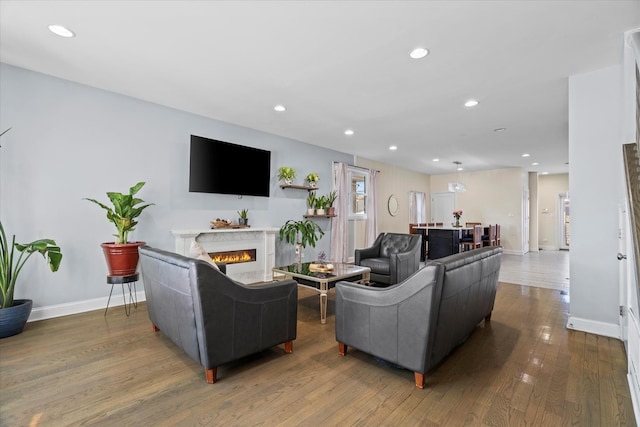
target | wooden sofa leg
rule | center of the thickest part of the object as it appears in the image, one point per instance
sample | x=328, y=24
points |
x=419, y=380
x=288, y=347
x=342, y=349
x=488, y=317
x=211, y=375
x=155, y=328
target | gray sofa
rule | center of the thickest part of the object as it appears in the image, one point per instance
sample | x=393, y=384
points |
x=418, y=322
x=214, y=319
x=392, y=258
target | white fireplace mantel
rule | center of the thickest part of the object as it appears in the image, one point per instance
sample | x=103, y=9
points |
x=224, y=239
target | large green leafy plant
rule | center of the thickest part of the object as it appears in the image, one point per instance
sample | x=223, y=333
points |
x=13, y=257
x=126, y=208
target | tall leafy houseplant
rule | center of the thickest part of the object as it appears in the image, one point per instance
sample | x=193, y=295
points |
x=13, y=257
x=301, y=234
x=122, y=255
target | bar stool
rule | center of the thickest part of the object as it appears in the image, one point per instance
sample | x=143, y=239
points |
x=122, y=280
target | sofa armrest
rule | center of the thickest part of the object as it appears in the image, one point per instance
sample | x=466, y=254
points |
x=392, y=323
x=404, y=264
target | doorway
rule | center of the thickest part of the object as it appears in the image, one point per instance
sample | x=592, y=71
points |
x=442, y=206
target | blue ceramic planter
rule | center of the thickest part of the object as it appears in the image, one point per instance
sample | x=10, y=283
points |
x=13, y=319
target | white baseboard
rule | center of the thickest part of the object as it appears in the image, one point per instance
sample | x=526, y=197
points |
x=549, y=248
x=594, y=327
x=635, y=398
x=59, y=310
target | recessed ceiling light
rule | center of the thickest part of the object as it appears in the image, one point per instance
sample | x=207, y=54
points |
x=471, y=103
x=61, y=31
x=526, y=155
x=349, y=132
x=418, y=53
x=545, y=173
x=393, y=147
x=499, y=129
x=535, y=164
x=280, y=108
x=460, y=168
x=436, y=160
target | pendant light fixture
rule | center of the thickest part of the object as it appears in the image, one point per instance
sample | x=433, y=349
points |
x=457, y=187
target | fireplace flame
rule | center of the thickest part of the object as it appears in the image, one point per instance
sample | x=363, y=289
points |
x=234, y=257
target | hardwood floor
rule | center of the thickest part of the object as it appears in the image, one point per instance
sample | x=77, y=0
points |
x=523, y=368
x=544, y=269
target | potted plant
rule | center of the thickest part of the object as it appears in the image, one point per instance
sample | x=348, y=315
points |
x=301, y=233
x=243, y=220
x=122, y=255
x=286, y=174
x=14, y=313
x=320, y=204
x=311, y=201
x=331, y=198
x=312, y=179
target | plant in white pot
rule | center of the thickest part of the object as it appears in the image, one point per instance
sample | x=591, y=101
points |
x=312, y=179
x=286, y=174
x=122, y=255
x=301, y=233
x=14, y=313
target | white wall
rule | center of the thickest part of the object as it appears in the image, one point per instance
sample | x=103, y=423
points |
x=492, y=197
x=595, y=178
x=70, y=141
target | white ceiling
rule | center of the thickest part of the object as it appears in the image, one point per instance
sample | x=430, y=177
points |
x=343, y=65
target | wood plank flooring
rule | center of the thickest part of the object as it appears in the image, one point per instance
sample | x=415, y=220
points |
x=523, y=368
x=543, y=269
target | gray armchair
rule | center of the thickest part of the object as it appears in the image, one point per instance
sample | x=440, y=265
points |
x=392, y=258
x=213, y=318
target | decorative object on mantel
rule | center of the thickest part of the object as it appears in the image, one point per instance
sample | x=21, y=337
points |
x=243, y=220
x=457, y=187
x=226, y=223
x=301, y=233
x=457, y=214
x=14, y=313
x=312, y=179
x=286, y=174
x=122, y=255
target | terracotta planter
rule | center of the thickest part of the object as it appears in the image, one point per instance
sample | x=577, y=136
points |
x=122, y=260
x=13, y=319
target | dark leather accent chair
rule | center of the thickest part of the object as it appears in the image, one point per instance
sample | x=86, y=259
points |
x=418, y=322
x=392, y=258
x=213, y=318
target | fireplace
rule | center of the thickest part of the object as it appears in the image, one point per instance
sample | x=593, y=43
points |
x=234, y=257
x=259, y=242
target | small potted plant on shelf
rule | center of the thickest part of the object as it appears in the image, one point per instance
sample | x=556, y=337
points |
x=320, y=204
x=122, y=255
x=14, y=313
x=301, y=233
x=312, y=179
x=311, y=201
x=286, y=174
x=243, y=219
x=331, y=198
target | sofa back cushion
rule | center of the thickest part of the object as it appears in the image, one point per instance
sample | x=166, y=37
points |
x=393, y=243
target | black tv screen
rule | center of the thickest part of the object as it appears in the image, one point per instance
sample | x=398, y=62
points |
x=222, y=167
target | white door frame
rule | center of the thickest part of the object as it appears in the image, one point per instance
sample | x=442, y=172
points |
x=560, y=233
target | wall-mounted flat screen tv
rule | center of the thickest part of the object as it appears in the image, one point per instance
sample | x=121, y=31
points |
x=226, y=168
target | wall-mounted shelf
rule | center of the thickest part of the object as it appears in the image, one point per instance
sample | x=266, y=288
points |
x=319, y=216
x=298, y=187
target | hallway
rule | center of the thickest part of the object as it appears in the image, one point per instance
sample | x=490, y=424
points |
x=544, y=269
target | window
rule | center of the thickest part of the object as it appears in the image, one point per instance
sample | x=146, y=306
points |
x=358, y=186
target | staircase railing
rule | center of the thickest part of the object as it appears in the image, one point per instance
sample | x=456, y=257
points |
x=632, y=172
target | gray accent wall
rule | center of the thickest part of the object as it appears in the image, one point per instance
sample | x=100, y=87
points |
x=69, y=141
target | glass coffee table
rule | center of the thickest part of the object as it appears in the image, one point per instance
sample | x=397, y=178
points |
x=321, y=281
